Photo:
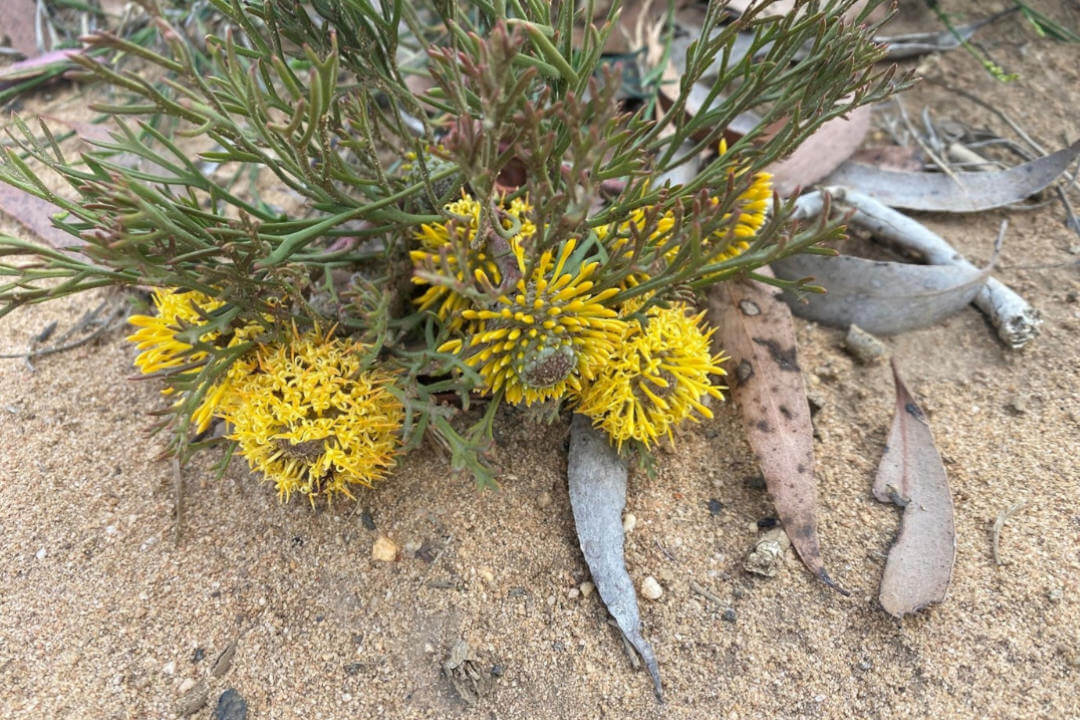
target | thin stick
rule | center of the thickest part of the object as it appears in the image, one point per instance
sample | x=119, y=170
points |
x=705, y=593
x=178, y=508
x=999, y=525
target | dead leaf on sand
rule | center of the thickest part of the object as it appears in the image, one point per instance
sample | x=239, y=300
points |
x=17, y=25
x=597, y=478
x=883, y=298
x=912, y=476
x=821, y=153
x=35, y=215
x=962, y=191
x=754, y=327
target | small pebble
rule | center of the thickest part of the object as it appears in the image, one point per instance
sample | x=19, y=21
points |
x=551, y=600
x=629, y=522
x=41, y=554
x=412, y=547
x=193, y=700
x=1018, y=405
x=728, y=615
x=198, y=655
x=185, y=686
x=650, y=588
x=230, y=706
x=863, y=346
x=573, y=593
x=715, y=506
x=586, y=588
x=543, y=500
x=384, y=549
x=486, y=575
x=367, y=520
x=169, y=668
x=497, y=670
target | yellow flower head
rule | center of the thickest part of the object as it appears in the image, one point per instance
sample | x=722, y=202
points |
x=544, y=339
x=655, y=379
x=156, y=339
x=436, y=240
x=752, y=206
x=313, y=420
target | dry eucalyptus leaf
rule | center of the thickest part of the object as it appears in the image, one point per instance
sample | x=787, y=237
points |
x=17, y=25
x=35, y=215
x=597, y=478
x=754, y=327
x=821, y=153
x=883, y=298
x=968, y=192
x=912, y=476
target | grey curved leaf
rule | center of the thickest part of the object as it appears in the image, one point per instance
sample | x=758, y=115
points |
x=597, y=478
x=883, y=298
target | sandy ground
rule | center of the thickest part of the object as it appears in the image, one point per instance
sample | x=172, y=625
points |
x=101, y=616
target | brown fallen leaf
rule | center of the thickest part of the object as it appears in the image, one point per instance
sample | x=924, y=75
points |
x=17, y=25
x=821, y=153
x=890, y=157
x=911, y=475
x=755, y=328
x=35, y=215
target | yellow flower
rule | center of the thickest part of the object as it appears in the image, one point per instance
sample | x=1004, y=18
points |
x=156, y=339
x=543, y=340
x=656, y=378
x=436, y=240
x=162, y=350
x=313, y=420
x=752, y=206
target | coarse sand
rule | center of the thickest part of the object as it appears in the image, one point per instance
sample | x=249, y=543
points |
x=102, y=616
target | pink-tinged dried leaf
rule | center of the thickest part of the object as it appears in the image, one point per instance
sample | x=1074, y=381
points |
x=911, y=475
x=17, y=25
x=32, y=67
x=821, y=153
x=754, y=327
x=963, y=191
x=905, y=158
x=35, y=215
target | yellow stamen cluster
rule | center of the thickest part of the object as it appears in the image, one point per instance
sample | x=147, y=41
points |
x=312, y=419
x=543, y=340
x=656, y=378
x=447, y=240
x=752, y=207
x=159, y=348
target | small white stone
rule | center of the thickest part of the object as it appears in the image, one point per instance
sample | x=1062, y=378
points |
x=573, y=593
x=346, y=697
x=110, y=530
x=551, y=601
x=544, y=500
x=629, y=522
x=650, y=588
x=429, y=648
x=486, y=575
x=412, y=547
x=169, y=668
x=587, y=588
x=384, y=549
x=185, y=686
x=41, y=553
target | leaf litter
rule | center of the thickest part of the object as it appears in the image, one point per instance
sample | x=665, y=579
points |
x=963, y=192
x=912, y=476
x=597, y=480
x=756, y=329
